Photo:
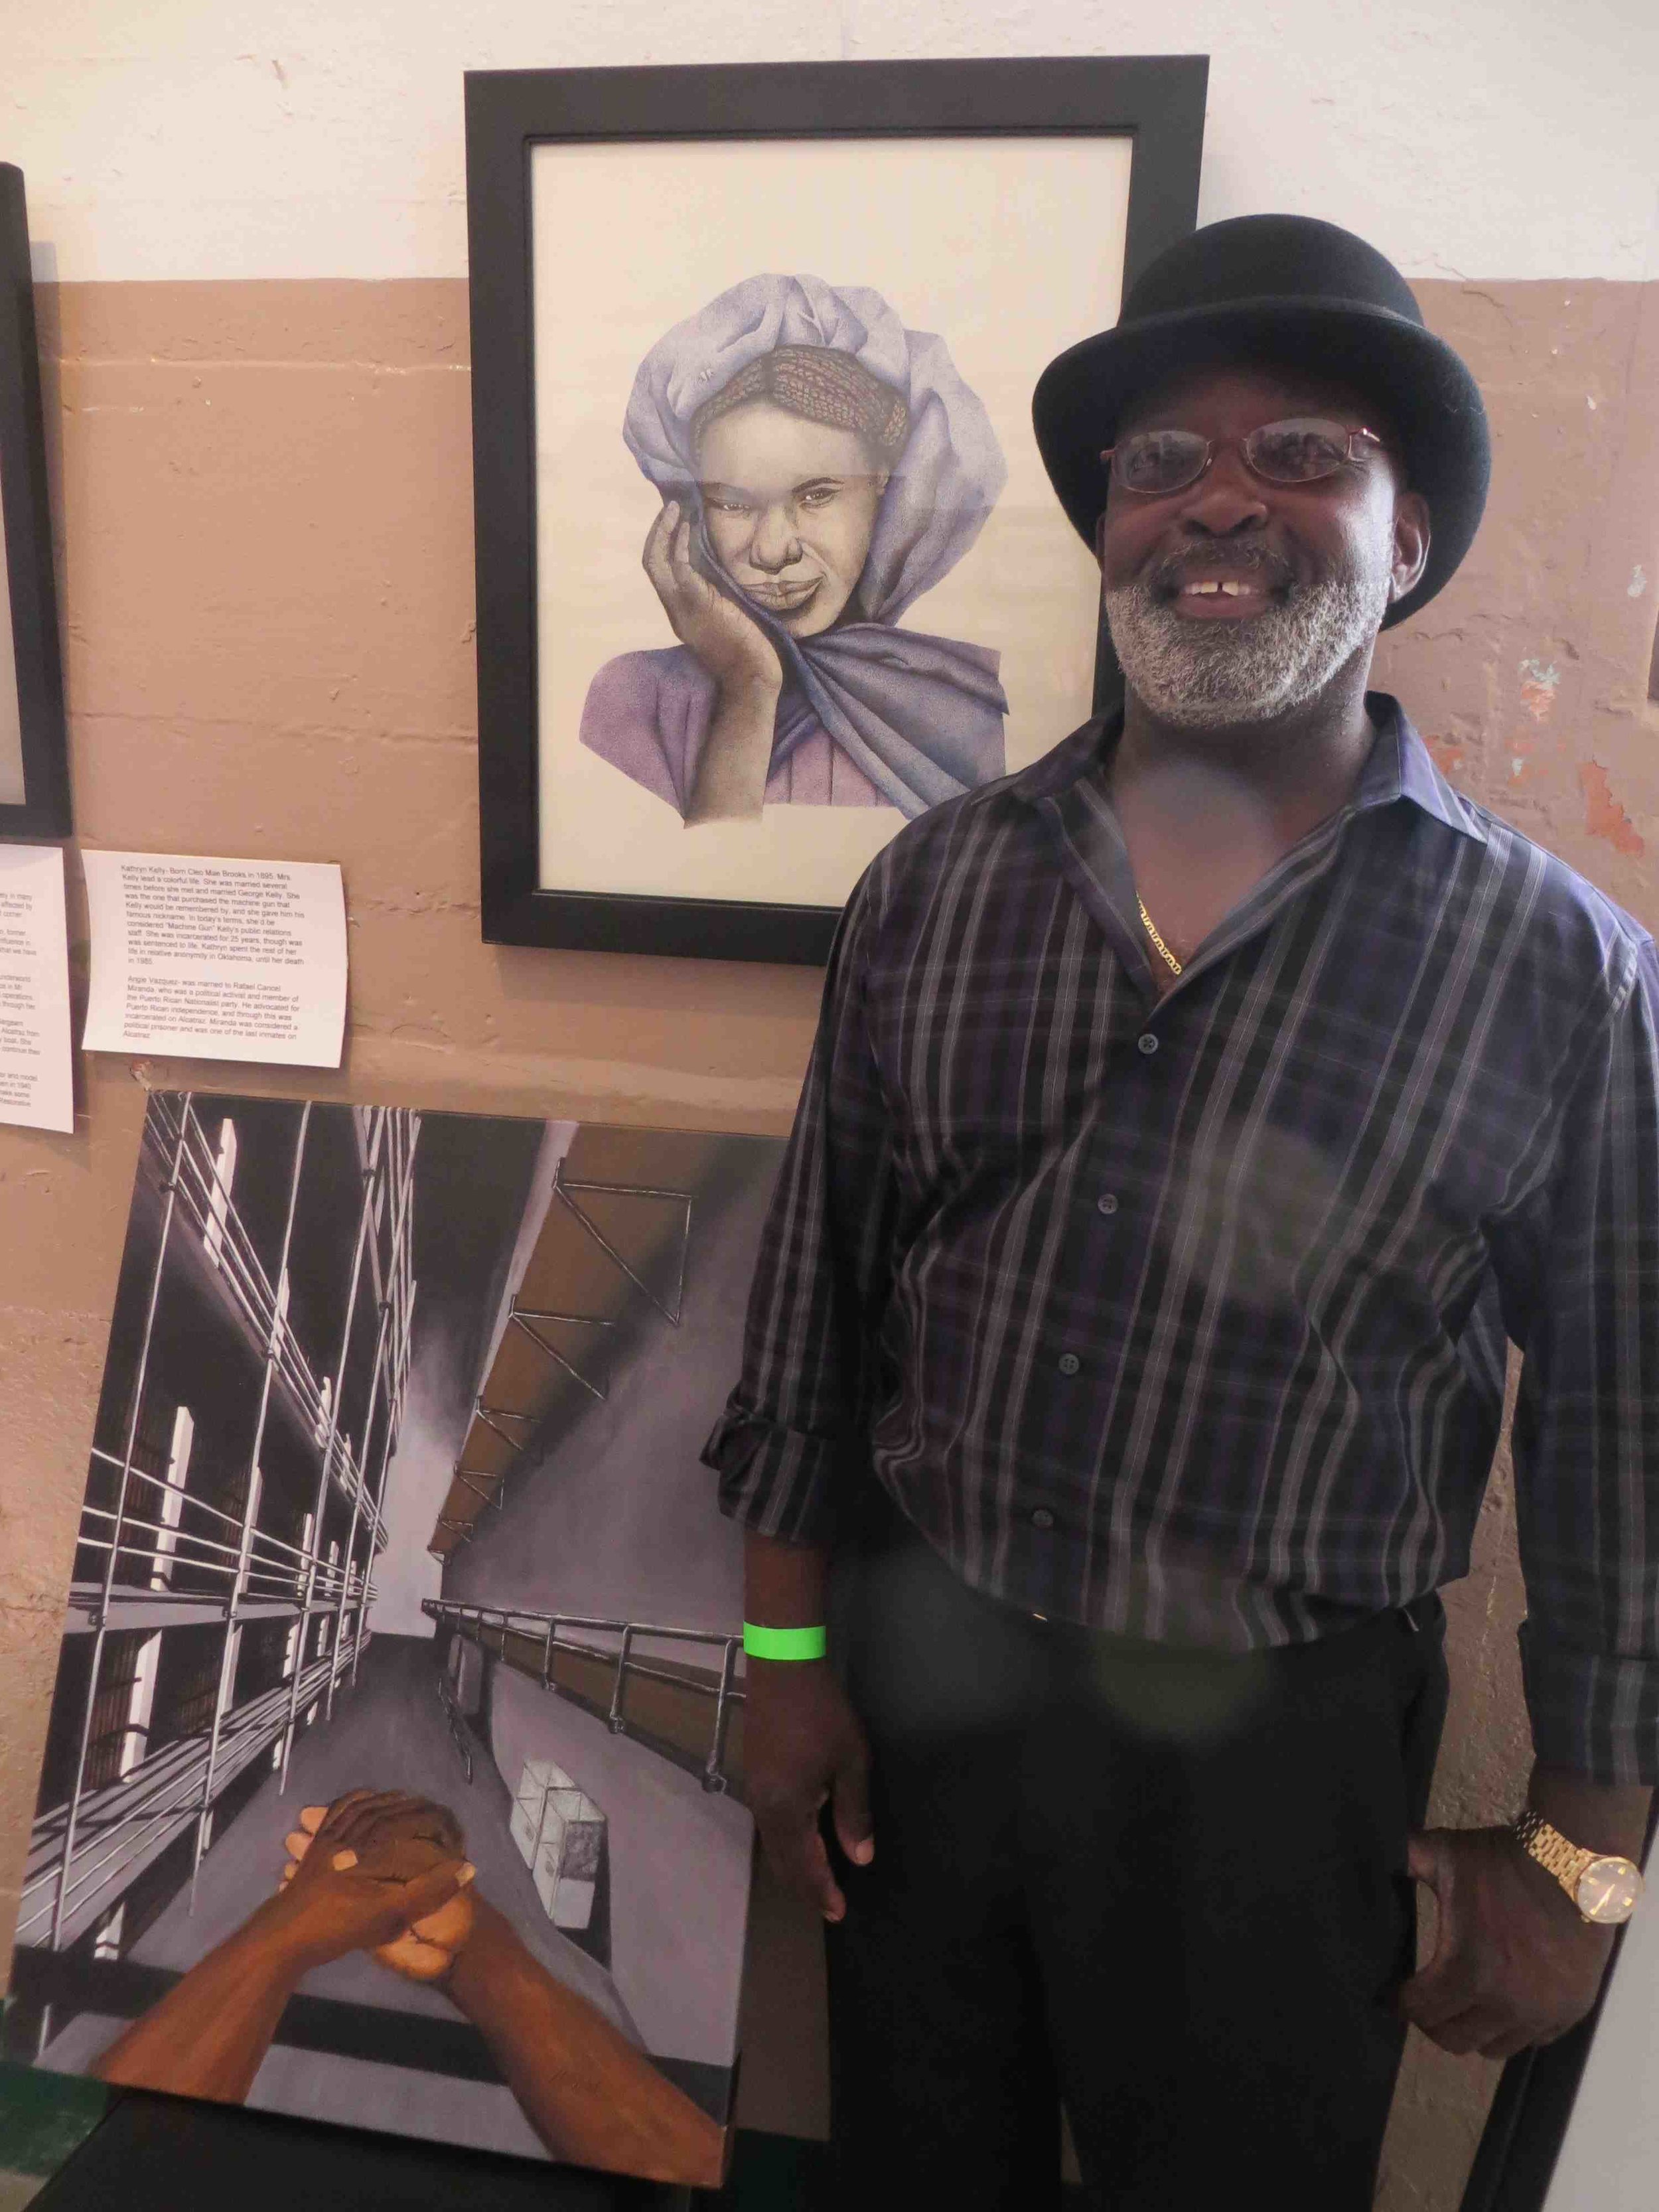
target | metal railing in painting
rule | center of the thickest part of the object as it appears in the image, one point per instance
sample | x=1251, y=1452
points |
x=455, y=1722
x=184, y=1566
x=558, y=1649
x=516, y=1426
x=171, y=1559
x=177, y=1139
x=76, y=1871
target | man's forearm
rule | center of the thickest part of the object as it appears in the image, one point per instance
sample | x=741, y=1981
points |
x=1601, y=1816
x=784, y=1584
x=588, y=2093
x=208, y=2035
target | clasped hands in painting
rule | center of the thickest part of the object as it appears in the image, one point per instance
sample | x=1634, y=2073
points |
x=387, y=1872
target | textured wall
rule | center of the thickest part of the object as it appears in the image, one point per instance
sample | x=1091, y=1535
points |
x=323, y=137
x=1528, y=676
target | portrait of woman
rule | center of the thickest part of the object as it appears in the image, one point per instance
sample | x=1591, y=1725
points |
x=820, y=467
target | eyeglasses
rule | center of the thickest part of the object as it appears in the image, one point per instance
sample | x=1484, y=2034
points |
x=1301, y=451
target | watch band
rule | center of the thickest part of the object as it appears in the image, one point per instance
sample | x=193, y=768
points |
x=1604, y=1885
x=1566, y=1861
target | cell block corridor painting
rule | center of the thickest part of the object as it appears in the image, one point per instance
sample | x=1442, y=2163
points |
x=394, y=1773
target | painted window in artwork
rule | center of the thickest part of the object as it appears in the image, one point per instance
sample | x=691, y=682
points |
x=106, y=1941
x=309, y=1529
x=190, y=1684
x=224, y=1172
x=250, y=1519
x=113, y=1708
x=170, y=1502
x=140, y=1703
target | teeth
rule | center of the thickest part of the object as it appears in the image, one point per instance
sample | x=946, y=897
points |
x=1233, y=590
x=1206, y=589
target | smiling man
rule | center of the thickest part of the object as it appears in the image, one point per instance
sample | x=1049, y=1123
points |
x=1195, y=1115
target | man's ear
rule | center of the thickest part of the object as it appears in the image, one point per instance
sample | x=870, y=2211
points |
x=1411, y=542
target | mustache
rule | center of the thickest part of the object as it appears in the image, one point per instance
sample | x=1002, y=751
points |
x=1256, y=562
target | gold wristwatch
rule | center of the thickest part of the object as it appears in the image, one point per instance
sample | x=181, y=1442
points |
x=1605, y=1888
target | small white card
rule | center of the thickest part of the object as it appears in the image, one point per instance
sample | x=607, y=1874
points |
x=37, y=1083
x=206, y=959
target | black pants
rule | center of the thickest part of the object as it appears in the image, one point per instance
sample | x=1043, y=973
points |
x=1166, y=1887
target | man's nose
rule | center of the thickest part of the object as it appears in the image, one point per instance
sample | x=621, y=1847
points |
x=776, y=542
x=1227, y=501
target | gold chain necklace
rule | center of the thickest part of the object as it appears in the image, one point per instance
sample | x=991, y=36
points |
x=1152, y=931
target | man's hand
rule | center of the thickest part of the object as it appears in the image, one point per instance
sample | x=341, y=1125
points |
x=803, y=1749
x=379, y=1871
x=1514, y=1962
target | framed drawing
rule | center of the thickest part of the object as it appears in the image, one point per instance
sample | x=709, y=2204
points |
x=394, y=1774
x=34, y=800
x=767, y=560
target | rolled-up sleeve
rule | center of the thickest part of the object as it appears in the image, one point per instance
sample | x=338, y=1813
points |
x=1579, y=1267
x=783, y=1444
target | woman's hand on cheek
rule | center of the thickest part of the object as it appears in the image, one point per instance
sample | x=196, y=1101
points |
x=729, y=644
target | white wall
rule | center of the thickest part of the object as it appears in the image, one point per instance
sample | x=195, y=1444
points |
x=243, y=138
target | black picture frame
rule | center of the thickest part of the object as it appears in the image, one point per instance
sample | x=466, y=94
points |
x=26, y=516
x=1156, y=101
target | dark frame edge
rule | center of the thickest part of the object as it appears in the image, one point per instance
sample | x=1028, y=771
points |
x=25, y=508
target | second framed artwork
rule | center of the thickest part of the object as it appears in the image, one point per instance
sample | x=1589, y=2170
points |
x=767, y=563
x=34, y=794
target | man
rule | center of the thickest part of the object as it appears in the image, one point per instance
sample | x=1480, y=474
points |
x=1192, y=1116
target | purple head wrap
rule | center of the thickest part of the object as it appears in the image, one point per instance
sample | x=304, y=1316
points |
x=921, y=716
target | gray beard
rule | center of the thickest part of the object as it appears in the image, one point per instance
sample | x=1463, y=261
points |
x=1197, y=675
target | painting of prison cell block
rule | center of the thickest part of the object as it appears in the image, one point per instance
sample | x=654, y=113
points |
x=394, y=1773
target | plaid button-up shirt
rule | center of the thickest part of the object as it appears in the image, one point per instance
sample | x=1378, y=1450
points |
x=1186, y=1319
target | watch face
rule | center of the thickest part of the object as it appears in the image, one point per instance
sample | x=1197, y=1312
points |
x=1608, y=1891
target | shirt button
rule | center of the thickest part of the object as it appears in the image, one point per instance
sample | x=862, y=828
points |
x=1107, y=1202
x=1069, y=1363
x=1042, y=1518
x=1147, y=1044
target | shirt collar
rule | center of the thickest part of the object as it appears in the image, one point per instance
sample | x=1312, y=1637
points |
x=1401, y=766
x=1398, y=766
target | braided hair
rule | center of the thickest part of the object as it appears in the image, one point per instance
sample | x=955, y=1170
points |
x=821, y=385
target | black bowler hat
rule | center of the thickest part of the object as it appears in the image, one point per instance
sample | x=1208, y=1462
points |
x=1287, y=289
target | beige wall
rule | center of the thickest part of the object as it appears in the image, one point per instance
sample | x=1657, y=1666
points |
x=262, y=499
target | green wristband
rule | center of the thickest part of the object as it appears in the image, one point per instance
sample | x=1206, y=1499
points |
x=783, y=1643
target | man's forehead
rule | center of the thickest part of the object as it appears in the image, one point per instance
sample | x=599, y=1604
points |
x=1277, y=386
